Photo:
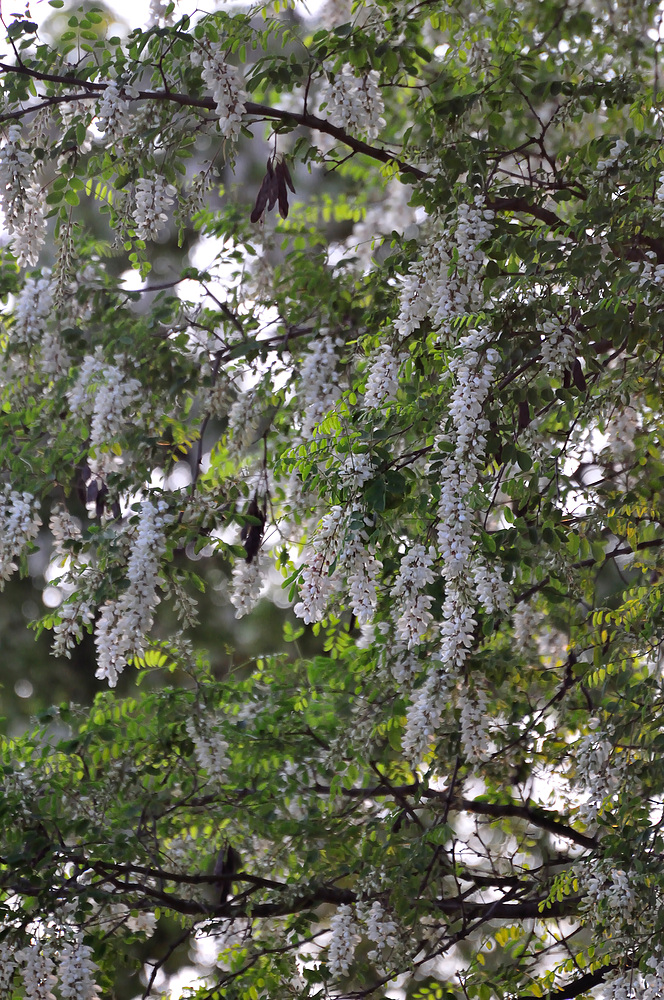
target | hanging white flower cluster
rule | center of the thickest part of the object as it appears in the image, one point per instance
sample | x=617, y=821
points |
x=413, y=617
x=424, y=715
x=124, y=622
x=344, y=939
x=103, y=392
x=610, y=898
x=38, y=971
x=225, y=84
x=526, y=623
x=153, y=196
x=319, y=388
x=383, y=377
x=21, y=199
x=559, y=345
x=19, y=524
x=355, y=470
x=8, y=965
x=492, y=591
x=382, y=930
x=598, y=771
x=32, y=310
x=362, y=570
x=246, y=586
x=318, y=584
x=446, y=282
x=77, y=970
x=622, y=430
x=474, y=725
x=210, y=747
x=615, y=153
x=474, y=371
x=114, y=112
x=354, y=102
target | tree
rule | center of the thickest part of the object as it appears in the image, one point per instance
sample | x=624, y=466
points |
x=428, y=394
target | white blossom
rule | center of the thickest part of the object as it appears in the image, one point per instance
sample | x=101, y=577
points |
x=114, y=114
x=317, y=584
x=383, y=377
x=153, y=196
x=32, y=311
x=19, y=525
x=457, y=627
x=558, y=346
x=411, y=605
x=492, y=591
x=225, y=84
x=615, y=154
x=362, y=577
x=21, y=198
x=123, y=623
x=445, y=282
x=319, y=389
x=474, y=725
x=37, y=970
x=77, y=970
x=382, y=930
x=343, y=941
x=8, y=965
x=247, y=585
x=210, y=747
x=354, y=102
x=526, y=622
x=104, y=392
x=424, y=714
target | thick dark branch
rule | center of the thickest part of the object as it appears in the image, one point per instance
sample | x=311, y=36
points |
x=206, y=103
x=523, y=205
x=578, y=986
x=519, y=910
x=541, y=818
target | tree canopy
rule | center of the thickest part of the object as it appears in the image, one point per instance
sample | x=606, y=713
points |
x=406, y=378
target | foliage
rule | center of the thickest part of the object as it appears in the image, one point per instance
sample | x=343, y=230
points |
x=425, y=399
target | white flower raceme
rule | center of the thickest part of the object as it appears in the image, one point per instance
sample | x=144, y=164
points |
x=77, y=970
x=19, y=524
x=21, y=198
x=381, y=929
x=526, y=622
x=611, y=896
x=225, y=83
x=362, y=570
x=457, y=627
x=615, y=153
x=319, y=389
x=424, y=714
x=123, y=623
x=411, y=605
x=344, y=938
x=32, y=311
x=8, y=965
x=445, y=282
x=37, y=970
x=153, y=196
x=210, y=746
x=559, y=345
x=492, y=591
x=104, y=392
x=114, y=113
x=355, y=470
x=355, y=102
x=317, y=584
x=474, y=723
x=598, y=770
x=383, y=377
x=247, y=585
